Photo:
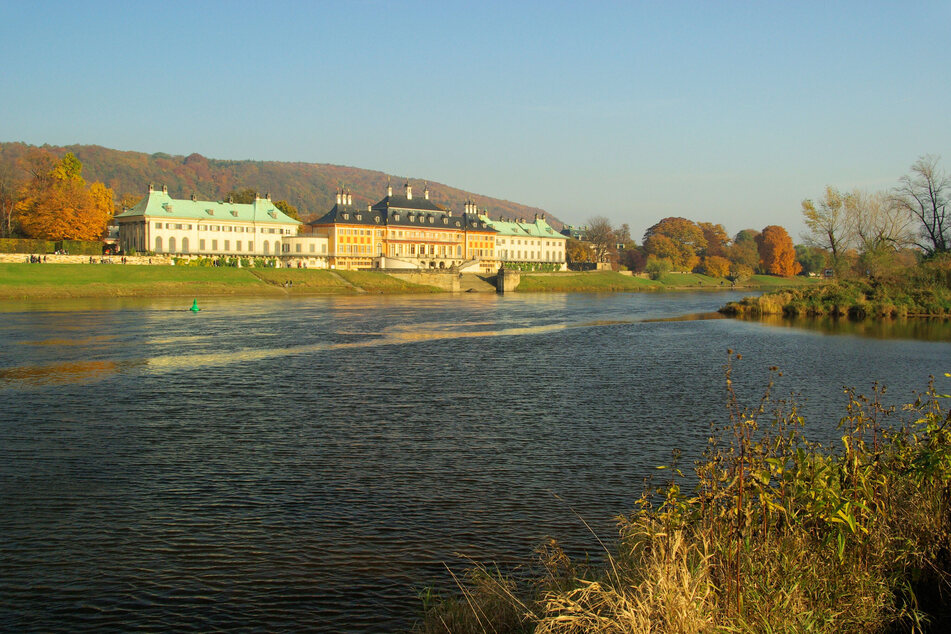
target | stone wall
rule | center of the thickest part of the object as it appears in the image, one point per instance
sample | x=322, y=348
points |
x=50, y=258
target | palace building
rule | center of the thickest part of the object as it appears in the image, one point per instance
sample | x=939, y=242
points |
x=161, y=224
x=522, y=242
x=401, y=232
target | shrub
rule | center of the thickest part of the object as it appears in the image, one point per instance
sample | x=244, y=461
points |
x=777, y=533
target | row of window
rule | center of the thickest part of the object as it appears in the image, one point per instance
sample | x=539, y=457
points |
x=183, y=247
x=533, y=243
x=225, y=228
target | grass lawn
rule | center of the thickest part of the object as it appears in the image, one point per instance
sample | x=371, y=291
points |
x=105, y=280
x=585, y=282
x=376, y=282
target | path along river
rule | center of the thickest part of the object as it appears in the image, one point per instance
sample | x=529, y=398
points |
x=312, y=464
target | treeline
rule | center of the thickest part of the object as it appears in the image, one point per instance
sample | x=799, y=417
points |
x=308, y=187
x=679, y=244
x=858, y=234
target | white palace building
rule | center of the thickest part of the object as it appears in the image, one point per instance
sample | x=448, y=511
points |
x=164, y=225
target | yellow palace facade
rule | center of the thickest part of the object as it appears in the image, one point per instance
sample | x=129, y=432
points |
x=401, y=232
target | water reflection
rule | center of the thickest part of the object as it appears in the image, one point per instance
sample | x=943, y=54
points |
x=920, y=328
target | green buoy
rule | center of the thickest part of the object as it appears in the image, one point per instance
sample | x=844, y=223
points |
x=194, y=307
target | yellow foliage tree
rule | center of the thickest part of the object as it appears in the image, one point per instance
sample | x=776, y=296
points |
x=56, y=204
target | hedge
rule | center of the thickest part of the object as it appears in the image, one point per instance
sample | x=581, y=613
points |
x=22, y=245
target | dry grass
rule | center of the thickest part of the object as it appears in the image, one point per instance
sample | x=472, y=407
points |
x=778, y=534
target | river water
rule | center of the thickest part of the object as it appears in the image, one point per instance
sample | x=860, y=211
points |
x=313, y=464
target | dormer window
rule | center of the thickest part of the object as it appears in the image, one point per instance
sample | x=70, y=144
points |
x=272, y=214
x=234, y=212
x=431, y=220
x=346, y=216
x=445, y=221
x=359, y=217
x=396, y=217
x=376, y=219
x=210, y=212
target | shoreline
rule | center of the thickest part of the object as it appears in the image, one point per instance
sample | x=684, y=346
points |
x=24, y=281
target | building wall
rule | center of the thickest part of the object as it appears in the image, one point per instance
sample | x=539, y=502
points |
x=219, y=237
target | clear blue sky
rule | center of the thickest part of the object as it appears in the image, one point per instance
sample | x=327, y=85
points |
x=726, y=112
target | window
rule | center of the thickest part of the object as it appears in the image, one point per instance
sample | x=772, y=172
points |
x=158, y=225
x=237, y=245
x=298, y=247
x=214, y=245
x=201, y=245
x=323, y=248
x=158, y=244
x=227, y=245
x=312, y=245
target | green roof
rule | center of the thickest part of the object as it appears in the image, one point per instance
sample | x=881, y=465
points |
x=158, y=204
x=538, y=228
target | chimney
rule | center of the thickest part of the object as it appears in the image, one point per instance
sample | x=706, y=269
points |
x=194, y=197
x=349, y=199
x=151, y=188
x=268, y=196
x=409, y=191
x=426, y=192
x=339, y=198
x=389, y=189
x=164, y=189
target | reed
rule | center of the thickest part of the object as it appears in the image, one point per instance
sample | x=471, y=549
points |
x=776, y=533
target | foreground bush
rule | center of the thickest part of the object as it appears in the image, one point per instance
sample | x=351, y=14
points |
x=777, y=534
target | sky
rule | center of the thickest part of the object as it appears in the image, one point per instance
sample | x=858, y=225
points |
x=724, y=112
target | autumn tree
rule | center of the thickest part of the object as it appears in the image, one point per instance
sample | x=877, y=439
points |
x=830, y=224
x=288, y=209
x=715, y=266
x=924, y=194
x=717, y=240
x=9, y=186
x=578, y=251
x=776, y=252
x=56, y=204
x=745, y=250
x=677, y=239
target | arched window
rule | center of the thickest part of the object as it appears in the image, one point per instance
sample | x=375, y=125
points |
x=184, y=245
x=267, y=247
x=158, y=244
x=171, y=245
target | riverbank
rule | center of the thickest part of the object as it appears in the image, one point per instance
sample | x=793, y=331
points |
x=53, y=281
x=778, y=533
x=113, y=279
x=856, y=299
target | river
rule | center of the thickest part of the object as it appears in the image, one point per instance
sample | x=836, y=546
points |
x=314, y=463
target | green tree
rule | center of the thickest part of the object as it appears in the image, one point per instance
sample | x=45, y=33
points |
x=657, y=267
x=744, y=250
x=812, y=259
x=288, y=209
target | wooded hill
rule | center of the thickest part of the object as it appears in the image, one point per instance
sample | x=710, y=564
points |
x=310, y=187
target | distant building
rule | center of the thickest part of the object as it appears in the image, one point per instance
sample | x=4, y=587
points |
x=575, y=233
x=522, y=242
x=164, y=225
x=403, y=232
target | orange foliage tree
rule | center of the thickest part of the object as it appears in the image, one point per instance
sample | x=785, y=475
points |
x=56, y=204
x=716, y=266
x=776, y=252
x=677, y=239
